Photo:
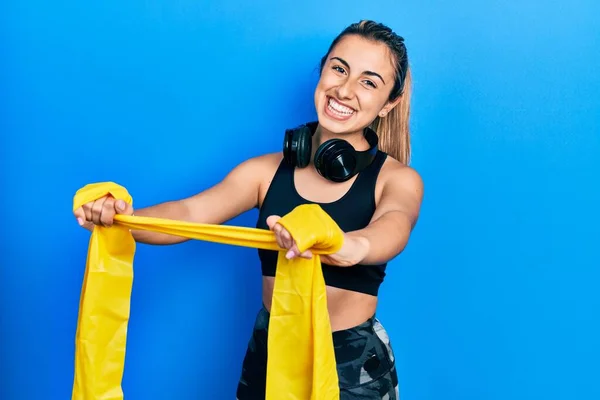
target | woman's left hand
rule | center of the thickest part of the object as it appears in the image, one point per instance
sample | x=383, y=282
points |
x=353, y=250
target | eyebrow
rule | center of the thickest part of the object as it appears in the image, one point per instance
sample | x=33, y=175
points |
x=370, y=73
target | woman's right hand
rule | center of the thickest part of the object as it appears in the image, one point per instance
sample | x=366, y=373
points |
x=101, y=212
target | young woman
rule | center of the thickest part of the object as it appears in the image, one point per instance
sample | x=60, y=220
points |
x=353, y=162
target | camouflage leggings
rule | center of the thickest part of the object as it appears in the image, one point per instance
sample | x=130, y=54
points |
x=364, y=357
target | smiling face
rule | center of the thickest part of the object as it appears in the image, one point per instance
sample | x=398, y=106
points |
x=354, y=88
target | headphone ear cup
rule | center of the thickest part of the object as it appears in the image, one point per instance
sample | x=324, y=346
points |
x=288, y=154
x=297, y=145
x=303, y=140
x=336, y=160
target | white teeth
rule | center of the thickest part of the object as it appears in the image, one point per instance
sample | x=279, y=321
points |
x=338, y=108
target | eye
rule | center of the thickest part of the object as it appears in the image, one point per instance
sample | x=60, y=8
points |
x=338, y=69
x=370, y=83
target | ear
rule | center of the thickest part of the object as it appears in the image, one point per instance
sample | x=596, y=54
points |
x=389, y=106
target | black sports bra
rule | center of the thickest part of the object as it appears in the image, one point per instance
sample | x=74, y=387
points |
x=351, y=212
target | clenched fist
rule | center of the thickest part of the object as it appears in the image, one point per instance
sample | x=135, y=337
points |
x=101, y=212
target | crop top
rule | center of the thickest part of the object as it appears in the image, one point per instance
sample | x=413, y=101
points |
x=351, y=212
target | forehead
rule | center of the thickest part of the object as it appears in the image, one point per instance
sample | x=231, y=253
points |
x=365, y=55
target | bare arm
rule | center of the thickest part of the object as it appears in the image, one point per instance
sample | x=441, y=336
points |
x=235, y=194
x=393, y=221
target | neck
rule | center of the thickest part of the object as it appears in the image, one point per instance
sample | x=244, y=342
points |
x=356, y=139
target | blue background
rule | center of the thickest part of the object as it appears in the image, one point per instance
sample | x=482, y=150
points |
x=496, y=296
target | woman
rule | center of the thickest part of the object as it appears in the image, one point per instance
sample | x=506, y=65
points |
x=362, y=97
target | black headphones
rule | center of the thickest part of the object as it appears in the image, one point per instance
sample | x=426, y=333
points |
x=335, y=159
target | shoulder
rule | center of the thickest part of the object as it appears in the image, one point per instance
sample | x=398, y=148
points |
x=394, y=173
x=261, y=165
x=259, y=169
x=399, y=187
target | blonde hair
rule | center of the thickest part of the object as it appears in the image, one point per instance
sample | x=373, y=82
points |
x=394, y=129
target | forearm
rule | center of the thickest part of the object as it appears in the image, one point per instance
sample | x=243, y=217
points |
x=382, y=240
x=176, y=210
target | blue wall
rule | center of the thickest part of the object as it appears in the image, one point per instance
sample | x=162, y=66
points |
x=496, y=296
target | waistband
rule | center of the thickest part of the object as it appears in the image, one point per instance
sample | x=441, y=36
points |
x=362, y=328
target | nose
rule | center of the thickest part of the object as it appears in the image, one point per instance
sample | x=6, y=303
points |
x=345, y=90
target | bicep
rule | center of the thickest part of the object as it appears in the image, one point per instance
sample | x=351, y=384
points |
x=401, y=196
x=395, y=215
x=234, y=195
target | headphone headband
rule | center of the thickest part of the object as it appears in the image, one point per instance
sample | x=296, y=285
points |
x=335, y=159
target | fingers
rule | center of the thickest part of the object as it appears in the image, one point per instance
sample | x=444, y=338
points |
x=307, y=254
x=122, y=207
x=272, y=220
x=97, y=210
x=108, y=212
x=294, y=252
x=273, y=226
x=87, y=209
x=80, y=215
x=278, y=238
x=285, y=239
x=101, y=212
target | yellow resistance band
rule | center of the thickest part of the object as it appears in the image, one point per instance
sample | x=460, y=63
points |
x=301, y=362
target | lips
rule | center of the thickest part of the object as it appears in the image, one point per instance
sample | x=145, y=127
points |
x=338, y=110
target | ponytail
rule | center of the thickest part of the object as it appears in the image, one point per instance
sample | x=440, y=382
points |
x=394, y=129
